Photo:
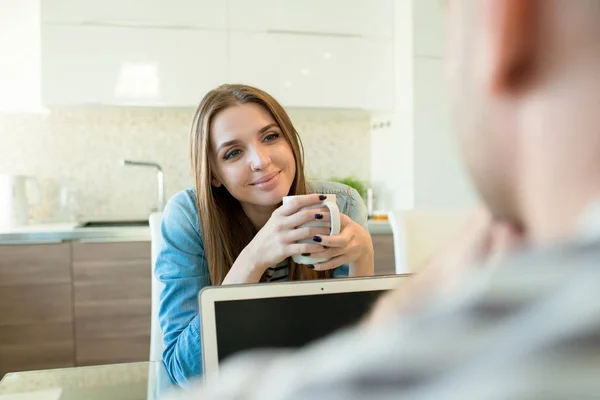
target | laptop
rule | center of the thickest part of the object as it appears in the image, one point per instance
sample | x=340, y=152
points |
x=235, y=318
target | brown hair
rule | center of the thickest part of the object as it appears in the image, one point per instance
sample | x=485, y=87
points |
x=226, y=230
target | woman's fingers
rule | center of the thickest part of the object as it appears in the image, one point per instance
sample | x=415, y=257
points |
x=306, y=233
x=331, y=263
x=340, y=240
x=331, y=252
x=295, y=203
x=305, y=249
x=313, y=215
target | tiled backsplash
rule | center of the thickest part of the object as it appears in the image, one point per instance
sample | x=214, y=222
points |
x=82, y=147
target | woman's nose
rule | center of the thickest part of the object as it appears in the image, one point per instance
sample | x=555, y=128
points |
x=260, y=159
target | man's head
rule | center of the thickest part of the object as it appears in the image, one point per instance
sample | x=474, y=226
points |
x=525, y=78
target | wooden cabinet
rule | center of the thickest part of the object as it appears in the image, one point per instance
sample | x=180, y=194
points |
x=130, y=66
x=36, y=307
x=112, y=296
x=73, y=303
x=384, y=254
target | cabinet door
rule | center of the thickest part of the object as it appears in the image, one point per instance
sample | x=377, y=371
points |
x=188, y=13
x=112, y=296
x=383, y=245
x=36, y=307
x=130, y=66
x=309, y=71
x=342, y=17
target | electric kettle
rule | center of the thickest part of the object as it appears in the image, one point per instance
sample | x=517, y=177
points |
x=17, y=194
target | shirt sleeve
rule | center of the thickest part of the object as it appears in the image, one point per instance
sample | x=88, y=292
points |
x=183, y=270
x=357, y=211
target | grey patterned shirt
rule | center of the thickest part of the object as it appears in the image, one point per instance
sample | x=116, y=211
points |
x=279, y=272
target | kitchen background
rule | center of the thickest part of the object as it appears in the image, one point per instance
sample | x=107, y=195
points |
x=87, y=83
x=80, y=148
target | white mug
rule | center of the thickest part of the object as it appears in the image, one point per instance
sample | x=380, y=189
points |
x=329, y=203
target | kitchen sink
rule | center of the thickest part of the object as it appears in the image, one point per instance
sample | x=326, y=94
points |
x=114, y=224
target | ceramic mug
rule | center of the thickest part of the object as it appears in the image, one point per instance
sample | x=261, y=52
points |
x=328, y=203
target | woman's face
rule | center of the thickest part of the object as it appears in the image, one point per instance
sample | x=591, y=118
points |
x=251, y=156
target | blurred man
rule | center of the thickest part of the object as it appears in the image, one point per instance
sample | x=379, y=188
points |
x=527, y=107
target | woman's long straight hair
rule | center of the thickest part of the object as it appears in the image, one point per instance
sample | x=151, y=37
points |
x=226, y=230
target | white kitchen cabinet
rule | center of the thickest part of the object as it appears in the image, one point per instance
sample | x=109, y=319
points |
x=429, y=28
x=174, y=13
x=342, y=17
x=124, y=66
x=315, y=71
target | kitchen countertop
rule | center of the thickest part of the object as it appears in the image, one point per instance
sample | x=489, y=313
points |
x=379, y=227
x=54, y=233
x=142, y=380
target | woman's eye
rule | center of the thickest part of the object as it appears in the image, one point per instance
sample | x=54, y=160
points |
x=271, y=137
x=231, y=154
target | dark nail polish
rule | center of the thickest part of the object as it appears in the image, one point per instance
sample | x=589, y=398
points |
x=325, y=247
x=318, y=216
x=322, y=197
x=317, y=239
x=311, y=266
x=306, y=254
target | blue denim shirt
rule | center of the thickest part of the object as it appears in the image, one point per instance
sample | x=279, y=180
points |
x=182, y=268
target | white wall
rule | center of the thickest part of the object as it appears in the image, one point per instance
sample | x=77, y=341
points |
x=440, y=180
x=392, y=133
x=416, y=158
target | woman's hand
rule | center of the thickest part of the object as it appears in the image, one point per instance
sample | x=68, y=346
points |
x=277, y=239
x=353, y=245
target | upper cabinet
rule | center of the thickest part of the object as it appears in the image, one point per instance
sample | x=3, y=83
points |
x=304, y=71
x=131, y=66
x=373, y=18
x=173, y=13
x=307, y=53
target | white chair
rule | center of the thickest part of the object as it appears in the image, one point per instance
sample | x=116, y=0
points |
x=418, y=234
x=156, y=343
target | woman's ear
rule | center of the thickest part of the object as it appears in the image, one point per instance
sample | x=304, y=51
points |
x=215, y=182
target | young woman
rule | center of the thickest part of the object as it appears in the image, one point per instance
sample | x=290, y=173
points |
x=246, y=156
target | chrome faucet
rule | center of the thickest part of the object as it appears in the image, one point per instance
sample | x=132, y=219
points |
x=160, y=177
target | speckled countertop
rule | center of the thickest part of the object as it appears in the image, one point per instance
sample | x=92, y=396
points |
x=54, y=233
x=379, y=227
x=142, y=380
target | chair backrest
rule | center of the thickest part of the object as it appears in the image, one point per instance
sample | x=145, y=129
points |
x=156, y=342
x=418, y=234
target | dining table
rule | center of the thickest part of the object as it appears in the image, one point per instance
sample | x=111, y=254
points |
x=127, y=381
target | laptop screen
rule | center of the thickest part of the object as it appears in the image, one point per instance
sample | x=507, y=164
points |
x=286, y=321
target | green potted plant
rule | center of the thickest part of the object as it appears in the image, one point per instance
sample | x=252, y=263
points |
x=355, y=183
